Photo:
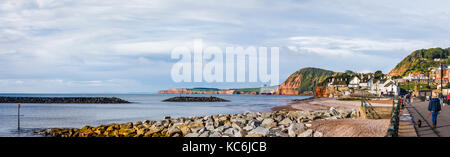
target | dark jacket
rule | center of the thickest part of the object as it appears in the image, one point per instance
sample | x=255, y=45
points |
x=434, y=105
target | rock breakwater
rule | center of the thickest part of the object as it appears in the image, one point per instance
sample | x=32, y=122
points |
x=251, y=124
x=90, y=100
x=195, y=99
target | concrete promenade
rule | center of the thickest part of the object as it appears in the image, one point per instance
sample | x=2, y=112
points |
x=419, y=111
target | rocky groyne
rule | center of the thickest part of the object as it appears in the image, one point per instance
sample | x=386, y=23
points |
x=81, y=100
x=255, y=124
x=195, y=99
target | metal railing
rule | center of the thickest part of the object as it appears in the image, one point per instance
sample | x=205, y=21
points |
x=369, y=109
x=395, y=120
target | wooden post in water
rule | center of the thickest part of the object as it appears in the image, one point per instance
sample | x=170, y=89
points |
x=18, y=118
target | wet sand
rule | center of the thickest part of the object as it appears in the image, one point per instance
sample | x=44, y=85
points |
x=358, y=127
x=352, y=127
x=326, y=103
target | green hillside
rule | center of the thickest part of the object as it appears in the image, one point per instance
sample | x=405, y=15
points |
x=303, y=79
x=421, y=60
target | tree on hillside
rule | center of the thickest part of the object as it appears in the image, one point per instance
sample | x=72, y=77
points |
x=378, y=74
x=349, y=72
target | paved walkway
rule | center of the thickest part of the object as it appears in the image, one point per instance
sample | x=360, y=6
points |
x=419, y=111
x=406, y=127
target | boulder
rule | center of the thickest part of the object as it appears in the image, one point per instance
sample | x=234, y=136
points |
x=137, y=123
x=223, y=118
x=307, y=133
x=127, y=132
x=239, y=121
x=140, y=132
x=204, y=134
x=278, y=117
x=155, y=129
x=227, y=124
x=294, y=129
x=318, y=134
x=259, y=119
x=294, y=114
x=196, y=126
x=209, y=127
x=254, y=135
x=248, y=128
x=192, y=135
x=277, y=133
x=215, y=134
x=176, y=135
x=268, y=123
x=82, y=133
x=354, y=114
x=333, y=111
x=147, y=134
x=236, y=126
x=184, y=129
x=232, y=132
x=127, y=125
x=266, y=115
x=219, y=129
x=146, y=122
x=173, y=130
x=260, y=130
x=285, y=122
x=147, y=125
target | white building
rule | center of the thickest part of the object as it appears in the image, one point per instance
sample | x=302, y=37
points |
x=416, y=77
x=337, y=82
x=366, y=83
x=354, y=82
x=388, y=87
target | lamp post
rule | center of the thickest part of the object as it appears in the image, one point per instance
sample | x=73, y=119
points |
x=442, y=75
x=428, y=77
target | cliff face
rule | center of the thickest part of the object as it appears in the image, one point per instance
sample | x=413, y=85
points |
x=322, y=92
x=421, y=60
x=302, y=81
x=299, y=83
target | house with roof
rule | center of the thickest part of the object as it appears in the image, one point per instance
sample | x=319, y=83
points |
x=366, y=82
x=337, y=82
x=354, y=82
x=416, y=77
x=388, y=87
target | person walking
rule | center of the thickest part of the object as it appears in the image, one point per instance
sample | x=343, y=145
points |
x=408, y=98
x=434, y=107
x=401, y=102
x=448, y=99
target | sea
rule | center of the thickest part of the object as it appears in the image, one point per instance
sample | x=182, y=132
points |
x=143, y=107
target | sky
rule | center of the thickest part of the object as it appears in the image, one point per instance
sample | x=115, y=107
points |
x=117, y=46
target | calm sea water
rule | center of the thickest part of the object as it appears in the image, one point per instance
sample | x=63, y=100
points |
x=144, y=107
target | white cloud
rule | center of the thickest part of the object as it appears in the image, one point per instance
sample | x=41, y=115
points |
x=345, y=46
x=158, y=47
x=89, y=42
x=366, y=71
x=143, y=60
